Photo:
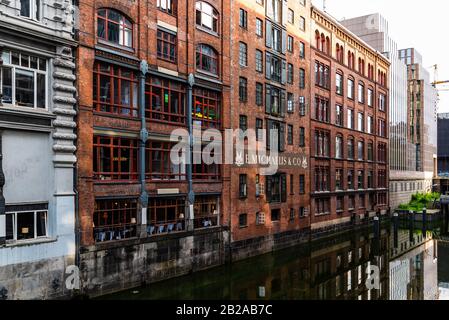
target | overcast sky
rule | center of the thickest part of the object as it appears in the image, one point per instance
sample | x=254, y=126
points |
x=412, y=23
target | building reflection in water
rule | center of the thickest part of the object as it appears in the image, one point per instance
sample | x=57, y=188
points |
x=336, y=268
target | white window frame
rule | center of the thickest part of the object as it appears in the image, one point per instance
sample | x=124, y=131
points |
x=35, y=10
x=35, y=72
x=35, y=213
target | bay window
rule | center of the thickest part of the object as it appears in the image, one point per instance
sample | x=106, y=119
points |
x=165, y=101
x=23, y=78
x=26, y=225
x=114, y=27
x=276, y=186
x=115, y=90
x=115, y=158
x=115, y=219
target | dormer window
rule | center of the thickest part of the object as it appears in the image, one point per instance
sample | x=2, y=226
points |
x=30, y=9
x=114, y=27
x=206, y=16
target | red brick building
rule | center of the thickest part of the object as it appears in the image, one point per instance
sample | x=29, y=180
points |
x=134, y=62
x=270, y=90
x=349, y=127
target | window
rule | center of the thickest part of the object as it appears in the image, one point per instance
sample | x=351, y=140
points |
x=290, y=134
x=322, y=75
x=340, y=201
x=382, y=199
x=382, y=102
x=115, y=158
x=26, y=225
x=370, y=179
x=292, y=184
x=260, y=218
x=322, y=143
x=302, y=78
x=276, y=188
x=360, y=122
x=290, y=74
x=243, y=54
x=291, y=16
x=259, y=126
x=243, y=186
x=339, y=147
x=165, y=101
x=243, y=19
x=259, y=61
x=361, y=93
x=302, y=106
x=207, y=108
x=302, y=50
x=351, y=148
x=322, y=112
x=243, y=123
x=302, y=184
x=202, y=171
x=302, y=23
x=339, y=179
x=370, y=151
x=351, y=180
x=24, y=80
x=206, y=16
x=382, y=179
x=30, y=9
x=259, y=94
x=114, y=27
x=290, y=45
x=360, y=179
x=382, y=130
x=259, y=27
x=292, y=215
x=275, y=101
x=290, y=103
x=206, y=59
x=243, y=220
x=322, y=206
x=339, y=84
x=243, y=89
x=275, y=215
x=165, y=215
x=166, y=46
x=205, y=211
x=168, y=6
x=339, y=115
x=382, y=153
x=302, y=137
x=115, y=219
x=351, y=203
x=322, y=179
x=370, y=125
x=350, y=119
x=351, y=89
x=159, y=165
x=276, y=68
x=370, y=97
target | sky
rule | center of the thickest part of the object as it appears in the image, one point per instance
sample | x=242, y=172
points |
x=412, y=23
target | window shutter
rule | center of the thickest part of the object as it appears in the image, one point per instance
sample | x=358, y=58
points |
x=268, y=66
x=268, y=186
x=268, y=34
x=284, y=41
x=283, y=105
x=283, y=187
x=282, y=137
x=284, y=72
x=267, y=99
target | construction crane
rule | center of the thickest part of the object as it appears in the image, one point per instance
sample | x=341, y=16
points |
x=437, y=82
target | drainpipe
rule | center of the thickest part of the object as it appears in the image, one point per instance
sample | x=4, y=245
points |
x=2, y=198
x=142, y=144
x=191, y=194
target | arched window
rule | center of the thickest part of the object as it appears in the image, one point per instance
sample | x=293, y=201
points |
x=114, y=27
x=339, y=146
x=206, y=16
x=206, y=59
x=328, y=45
x=349, y=59
x=317, y=40
x=323, y=43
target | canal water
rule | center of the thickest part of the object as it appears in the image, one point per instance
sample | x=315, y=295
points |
x=403, y=264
